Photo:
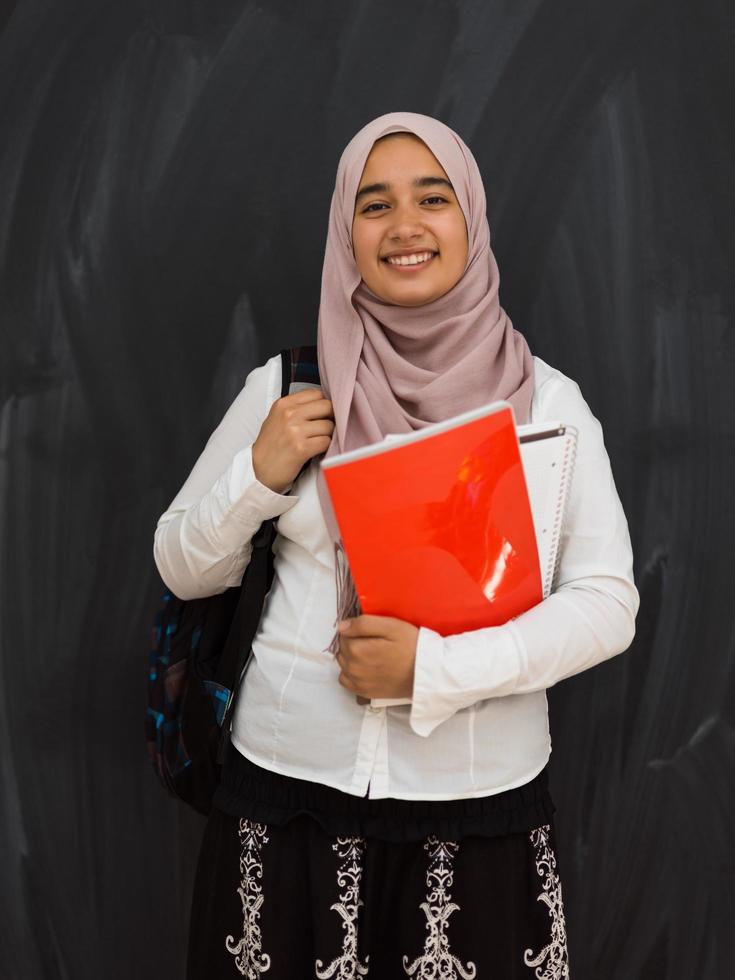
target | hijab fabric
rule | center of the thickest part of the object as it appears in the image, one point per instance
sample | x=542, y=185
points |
x=393, y=369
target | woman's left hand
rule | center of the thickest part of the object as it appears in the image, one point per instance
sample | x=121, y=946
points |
x=377, y=656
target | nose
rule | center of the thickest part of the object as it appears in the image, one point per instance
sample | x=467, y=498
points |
x=407, y=223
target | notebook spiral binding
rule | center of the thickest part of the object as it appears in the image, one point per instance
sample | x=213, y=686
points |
x=570, y=455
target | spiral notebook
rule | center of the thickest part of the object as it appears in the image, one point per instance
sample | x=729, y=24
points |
x=548, y=452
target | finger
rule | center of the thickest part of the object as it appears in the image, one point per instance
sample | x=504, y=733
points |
x=305, y=395
x=371, y=625
x=347, y=683
x=317, y=408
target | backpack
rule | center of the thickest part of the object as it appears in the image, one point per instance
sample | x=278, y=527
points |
x=200, y=650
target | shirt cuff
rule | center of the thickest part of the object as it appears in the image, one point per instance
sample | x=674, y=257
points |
x=452, y=672
x=388, y=702
x=250, y=500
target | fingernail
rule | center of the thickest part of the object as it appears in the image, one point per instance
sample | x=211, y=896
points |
x=343, y=625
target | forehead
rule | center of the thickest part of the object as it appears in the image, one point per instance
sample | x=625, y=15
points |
x=399, y=153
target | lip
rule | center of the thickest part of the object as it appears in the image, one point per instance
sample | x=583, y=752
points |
x=405, y=269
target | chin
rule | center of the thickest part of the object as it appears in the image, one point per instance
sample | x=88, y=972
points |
x=413, y=293
x=417, y=298
x=413, y=300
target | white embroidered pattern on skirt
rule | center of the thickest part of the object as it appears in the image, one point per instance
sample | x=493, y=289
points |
x=348, y=965
x=552, y=962
x=437, y=961
x=249, y=959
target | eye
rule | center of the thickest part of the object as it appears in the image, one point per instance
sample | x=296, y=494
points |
x=377, y=204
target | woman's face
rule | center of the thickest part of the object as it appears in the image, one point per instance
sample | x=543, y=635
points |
x=398, y=217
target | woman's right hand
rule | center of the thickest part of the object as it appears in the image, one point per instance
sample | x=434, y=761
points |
x=297, y=427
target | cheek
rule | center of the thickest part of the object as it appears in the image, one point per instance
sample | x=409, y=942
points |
x=364, y=250
x=452, y=236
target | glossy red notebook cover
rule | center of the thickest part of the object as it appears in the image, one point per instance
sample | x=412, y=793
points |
x=439, y=532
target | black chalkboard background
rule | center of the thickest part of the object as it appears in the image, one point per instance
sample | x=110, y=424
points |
x=165, y=175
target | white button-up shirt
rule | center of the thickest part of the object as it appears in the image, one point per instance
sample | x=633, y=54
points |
x=477, y=722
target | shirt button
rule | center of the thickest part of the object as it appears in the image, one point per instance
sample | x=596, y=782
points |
x=374, y=711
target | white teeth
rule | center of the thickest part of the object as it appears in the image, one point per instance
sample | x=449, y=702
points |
x=410, y=259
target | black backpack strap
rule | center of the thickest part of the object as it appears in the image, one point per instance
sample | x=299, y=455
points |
x=301, y=367
x=298, y=367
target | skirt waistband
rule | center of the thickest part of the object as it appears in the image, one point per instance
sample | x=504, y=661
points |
x=252, y=791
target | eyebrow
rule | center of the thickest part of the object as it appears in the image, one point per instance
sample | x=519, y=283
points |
x=418, y=182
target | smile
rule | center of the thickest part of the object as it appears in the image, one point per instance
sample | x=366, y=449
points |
x=410, y=263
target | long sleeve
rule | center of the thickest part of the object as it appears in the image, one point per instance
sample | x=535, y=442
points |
x=202, y=542
x=589, y=617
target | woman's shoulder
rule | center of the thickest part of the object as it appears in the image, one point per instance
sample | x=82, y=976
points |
x=558, y=396
x=304, y=369
x=546, y=375
x=552, y=386
x=262, y=384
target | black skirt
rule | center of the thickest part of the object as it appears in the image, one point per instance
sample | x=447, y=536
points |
x=332, y=886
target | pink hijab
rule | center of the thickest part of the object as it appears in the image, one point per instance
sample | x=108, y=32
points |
x=389, y=368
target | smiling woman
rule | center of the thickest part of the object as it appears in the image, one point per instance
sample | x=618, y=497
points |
x=414, y=839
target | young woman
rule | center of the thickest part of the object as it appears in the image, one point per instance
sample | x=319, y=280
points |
x=354, y=839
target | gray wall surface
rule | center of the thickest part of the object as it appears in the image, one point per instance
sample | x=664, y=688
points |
x=165, y=175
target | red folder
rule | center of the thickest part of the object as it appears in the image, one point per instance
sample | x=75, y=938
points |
x=437, y=524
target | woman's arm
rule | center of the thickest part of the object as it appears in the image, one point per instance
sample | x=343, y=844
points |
x=202, y=543
x=588, y=618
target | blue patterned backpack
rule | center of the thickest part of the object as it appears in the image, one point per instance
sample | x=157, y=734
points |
x=200, y=649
